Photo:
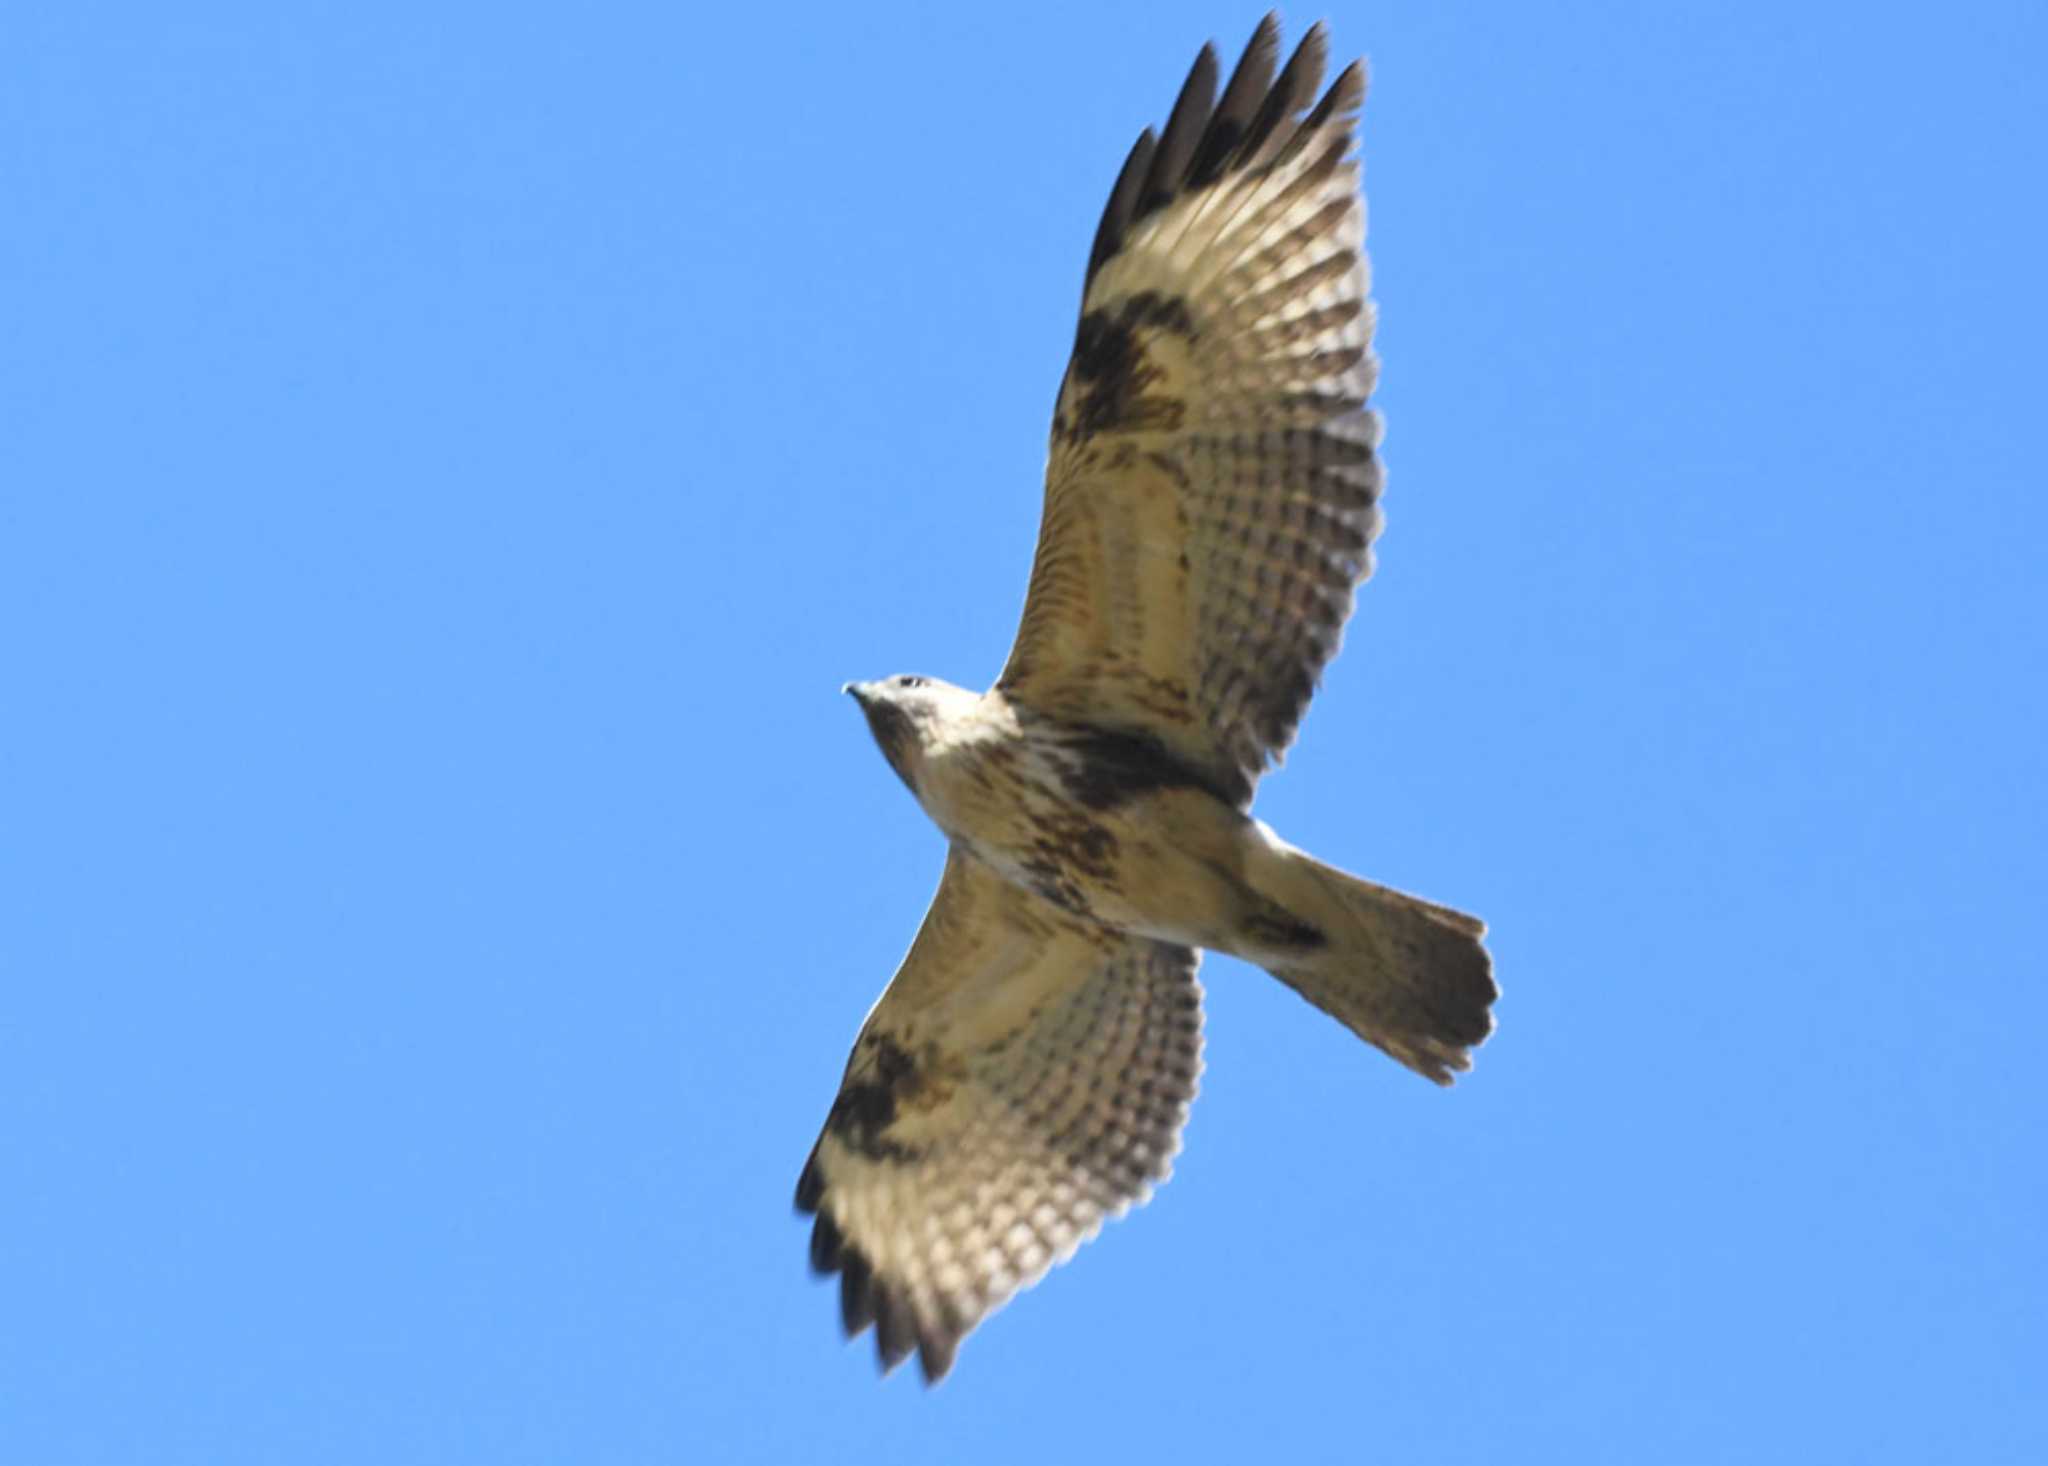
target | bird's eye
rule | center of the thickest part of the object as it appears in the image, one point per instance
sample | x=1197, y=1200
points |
x=908, y=681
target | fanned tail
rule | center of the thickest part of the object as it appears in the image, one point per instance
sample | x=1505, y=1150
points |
x=1402, y=973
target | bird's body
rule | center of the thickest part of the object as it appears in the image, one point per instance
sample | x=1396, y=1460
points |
x=1102, y=826
x=1109, y=829
x=1211, y=499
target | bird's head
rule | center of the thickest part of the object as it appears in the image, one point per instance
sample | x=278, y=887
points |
x=908, y=716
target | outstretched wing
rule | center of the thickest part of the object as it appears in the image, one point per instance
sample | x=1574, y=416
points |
x=1210, y=498
x=1023, y=1078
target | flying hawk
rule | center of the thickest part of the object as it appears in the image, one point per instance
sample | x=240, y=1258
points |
x=1210, y=504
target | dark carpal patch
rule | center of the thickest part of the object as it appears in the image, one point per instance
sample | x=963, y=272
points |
x=1149, y=308
x=1111, y=371
x=1111, y=768
x=881, y=1078
x=868, y=1101
x=1105, y=349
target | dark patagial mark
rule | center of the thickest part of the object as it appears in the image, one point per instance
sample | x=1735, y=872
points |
x=1094, y=849
x=1065, y=850
x=1112, y=768
x=1052, y=877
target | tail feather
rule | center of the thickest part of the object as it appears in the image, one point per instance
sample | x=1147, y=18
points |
x=1402, y=973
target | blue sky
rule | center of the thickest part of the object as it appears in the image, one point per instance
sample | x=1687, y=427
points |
x=453, y=457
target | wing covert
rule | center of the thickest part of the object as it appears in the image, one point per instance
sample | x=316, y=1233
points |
x=1022, y=1079
x=1213, y=480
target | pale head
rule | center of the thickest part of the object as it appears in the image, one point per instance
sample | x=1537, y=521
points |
x=908, y=716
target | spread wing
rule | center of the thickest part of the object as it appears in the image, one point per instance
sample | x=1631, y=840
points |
x=1210, y=497
x=1023, y=1078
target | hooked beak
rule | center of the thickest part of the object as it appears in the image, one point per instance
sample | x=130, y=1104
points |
x=858, y=691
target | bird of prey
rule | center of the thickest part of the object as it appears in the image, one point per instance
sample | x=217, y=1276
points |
x=1210, y=504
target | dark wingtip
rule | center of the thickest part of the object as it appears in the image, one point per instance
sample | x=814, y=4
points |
x=1257, y=119
x=828, y=1245
x=1287, y=97
x=856, y=1292
x=895, y=1327
x=1123, y=201
x=935, y=1353
x=1346, y=95
x=1242, y=97
x=1351, y=84
x=1184, y=128
x=810, y=1186
x=865, y=1299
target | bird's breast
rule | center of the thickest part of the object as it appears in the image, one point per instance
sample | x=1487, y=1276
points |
x=1093, y=826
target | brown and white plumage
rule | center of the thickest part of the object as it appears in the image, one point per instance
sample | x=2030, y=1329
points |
x=1024, y=1078
x=1210, y=504
x=1210, y=495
